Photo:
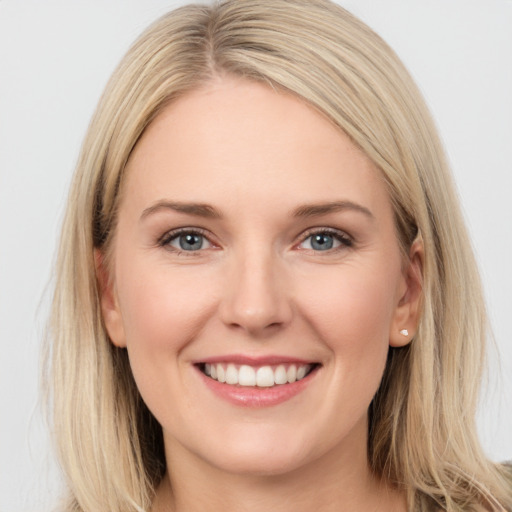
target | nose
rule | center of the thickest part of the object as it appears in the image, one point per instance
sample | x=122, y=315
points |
x=256, y=299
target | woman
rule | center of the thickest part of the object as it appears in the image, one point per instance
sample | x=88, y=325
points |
x=263, y=309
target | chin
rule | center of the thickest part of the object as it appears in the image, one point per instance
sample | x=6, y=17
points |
x=260, y=455
x=261, y=465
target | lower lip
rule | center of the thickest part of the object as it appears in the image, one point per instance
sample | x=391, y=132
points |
x=249, y=396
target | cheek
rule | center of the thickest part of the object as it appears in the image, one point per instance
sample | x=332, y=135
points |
x=352, y=307
x=163, y=310
x=349, y=310
x=161, y=307
x=352, y=310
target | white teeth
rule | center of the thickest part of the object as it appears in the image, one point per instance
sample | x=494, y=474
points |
x=221, y=374
x=246, y=376
x=263, y=376
x=231, y=374
x=280, y=375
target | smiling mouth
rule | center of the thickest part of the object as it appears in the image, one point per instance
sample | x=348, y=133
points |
x=267, y=376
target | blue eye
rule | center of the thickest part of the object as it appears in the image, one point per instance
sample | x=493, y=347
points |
x=325, y=241
x=322, y=242
x=189, y=241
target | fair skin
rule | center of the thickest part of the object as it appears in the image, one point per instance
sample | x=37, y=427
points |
x=252, y=232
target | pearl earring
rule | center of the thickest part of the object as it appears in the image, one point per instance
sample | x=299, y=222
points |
x=404, y=332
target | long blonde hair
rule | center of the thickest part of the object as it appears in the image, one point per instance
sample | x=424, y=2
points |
x=422, y=431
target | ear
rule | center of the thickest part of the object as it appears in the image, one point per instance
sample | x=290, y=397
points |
x=408, y=309
x=110, y=310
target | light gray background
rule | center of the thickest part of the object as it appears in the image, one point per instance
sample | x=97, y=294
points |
x=55, y=57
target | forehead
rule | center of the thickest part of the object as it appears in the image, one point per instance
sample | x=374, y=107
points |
x=237, y=137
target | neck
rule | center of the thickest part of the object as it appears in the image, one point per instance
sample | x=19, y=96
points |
x=336, y=481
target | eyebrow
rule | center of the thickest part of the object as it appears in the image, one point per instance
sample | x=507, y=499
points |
x=197, y=209
x=316, y=210
x=209, y=212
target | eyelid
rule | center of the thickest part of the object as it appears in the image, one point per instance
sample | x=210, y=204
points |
x=168, y=236
x=346, y=241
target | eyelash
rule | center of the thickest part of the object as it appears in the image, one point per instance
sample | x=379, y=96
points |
x=346, y=242
x=166, y=239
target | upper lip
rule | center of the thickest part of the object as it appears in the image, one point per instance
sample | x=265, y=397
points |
x=268, y=360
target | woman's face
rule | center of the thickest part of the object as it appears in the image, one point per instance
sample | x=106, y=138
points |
x=256, y=243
